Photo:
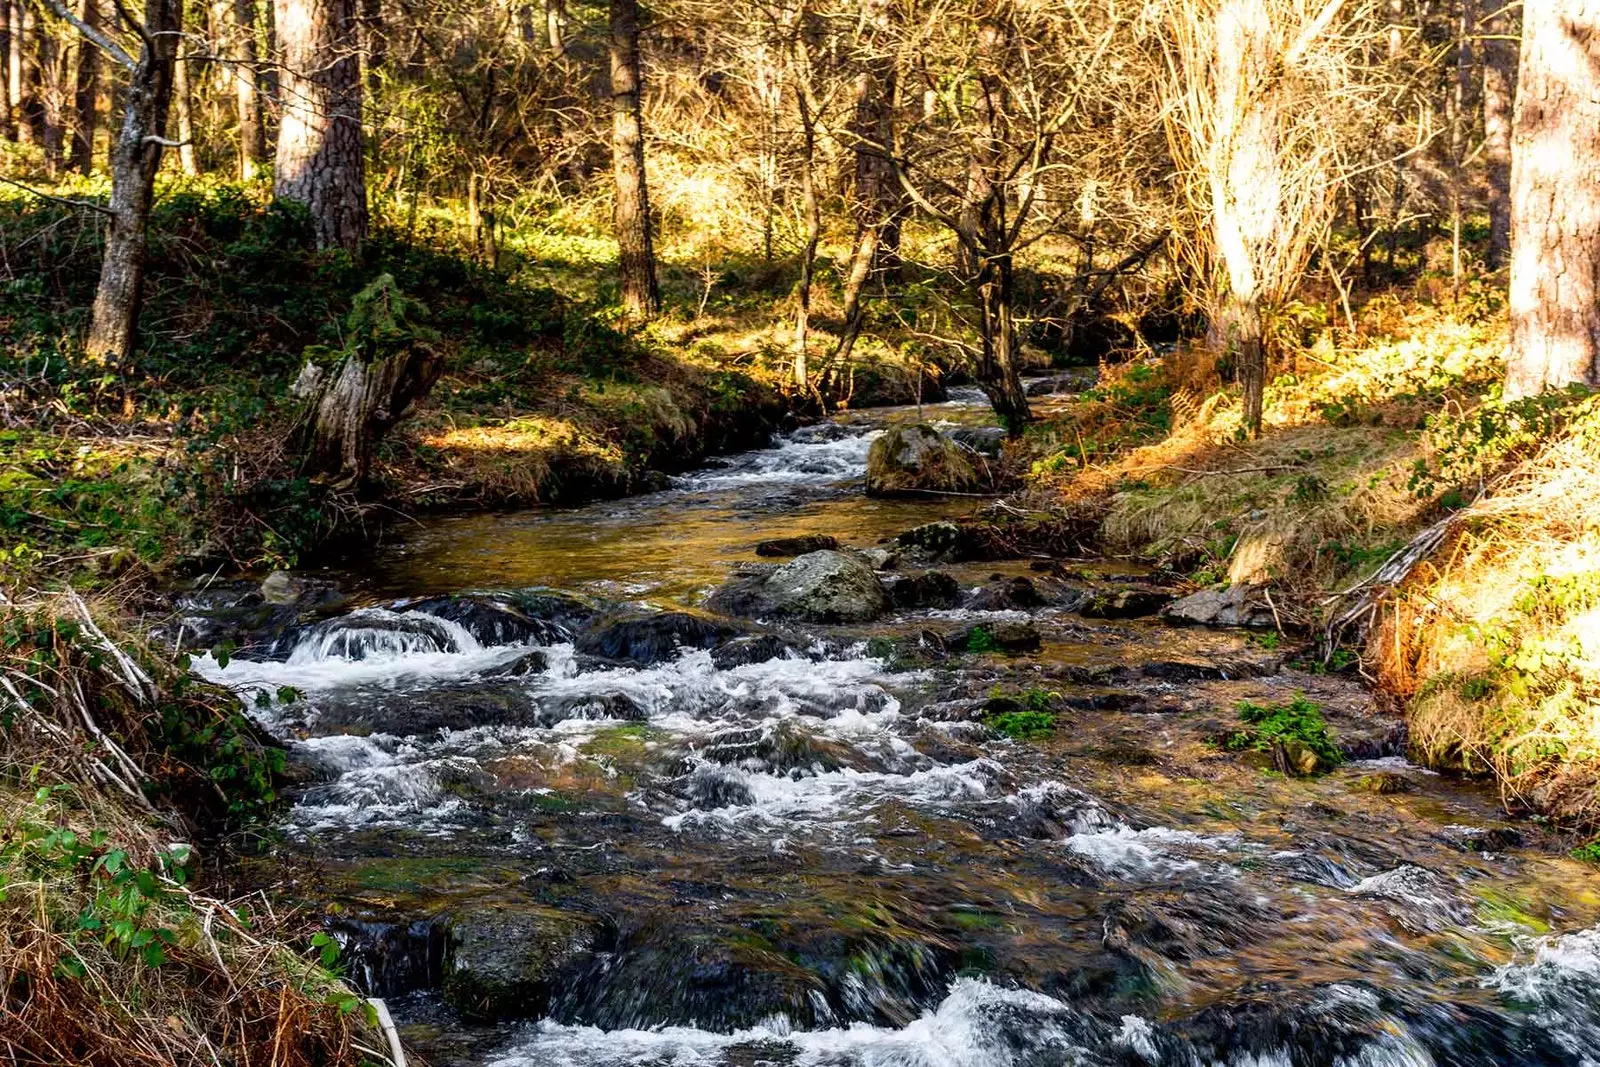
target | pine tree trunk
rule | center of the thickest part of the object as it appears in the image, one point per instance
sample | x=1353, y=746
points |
x=321, y=151
x=136, y=156
x=8, y=122
x=24, y=73
x=86, y=90
x=1555, y=200
x=183, y=117
x=241, y=57
x=1499, y=94
x=641, y=296
x=49, y=91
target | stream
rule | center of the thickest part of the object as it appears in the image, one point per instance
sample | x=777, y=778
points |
x=559, y=814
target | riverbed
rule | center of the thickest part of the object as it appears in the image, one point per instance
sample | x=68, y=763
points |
x=722, y=842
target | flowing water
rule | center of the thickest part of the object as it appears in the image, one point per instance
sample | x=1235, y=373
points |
x=803, y=846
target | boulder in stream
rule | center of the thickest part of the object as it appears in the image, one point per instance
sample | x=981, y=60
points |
x=930, y=589
x=506, y=962
x=1237, y=605
x=1124, y=604
x=647, y=639
x=919, y=459
x=1008, y=637
x=491, y=619
x=826, y=587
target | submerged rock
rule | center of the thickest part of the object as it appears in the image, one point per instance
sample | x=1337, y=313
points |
x=751, y=648
x=919, y=459
x=506, y=962
x=647, y=639
x=826, y=587
x=491, y=620
x=930, y=589
x=796, y=546
x=1124, y=604
x=1238, y=605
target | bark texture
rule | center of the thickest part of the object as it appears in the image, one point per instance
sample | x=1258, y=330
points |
x=358, y=404
x=631, y=216
x=1245, y=187
x=8, y=124
x=321, y=155
x=239, y=47
x=22, y=72
x=183, y=117
x=135, y=158
x=86, y=92
x=1499, y=96
x=1555, y=200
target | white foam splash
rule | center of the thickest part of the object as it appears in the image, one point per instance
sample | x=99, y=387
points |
x=976, y=1025
x=800, y=459
x=1139, y=854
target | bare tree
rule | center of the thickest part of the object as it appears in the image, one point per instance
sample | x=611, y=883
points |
x=1555, y=200
x=135, y=158
x=1256, y=90
x=321, y=155
x=641, y=295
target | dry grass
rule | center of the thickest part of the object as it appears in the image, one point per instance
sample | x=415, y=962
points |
x=1498, y=637
x=107, y=955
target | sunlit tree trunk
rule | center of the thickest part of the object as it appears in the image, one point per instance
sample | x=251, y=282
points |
x=1244, y=187
x=1555, y=200
x=49, y=92
x=554, y=15
x=321, y=152
x=1499, y=94
x=135, y=158
x=641, y=296
x=86, y=90
x=812, y=211
x=183, y=116
x=374, y=54
x=240, y=51
x=23, y=72
x=1458, y=106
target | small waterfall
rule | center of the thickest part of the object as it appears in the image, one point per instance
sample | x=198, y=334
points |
x=377, y=633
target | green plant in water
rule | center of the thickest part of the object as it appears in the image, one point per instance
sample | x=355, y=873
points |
x=980, y=640
x=1299, y=721
x=1589, y=853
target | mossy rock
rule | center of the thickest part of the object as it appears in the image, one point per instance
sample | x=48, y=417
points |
x=918, y=459
x=506, y=960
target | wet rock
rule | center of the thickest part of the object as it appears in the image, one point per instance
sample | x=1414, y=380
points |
x=1294, y=757
x=1124, y=604
x=567, y=610
x=930, y=589
x=1383, y=783
x=234, y=613
x=611, y=704
x=1238, y=605
x=995, y=637
x=881, y=559
x=751, y=648
x=388, y=958
x=535, y=662
x=491, y=620
x=984, y=440
x=945, y=541
x=919, y=459
x=1483, y=838
x=1174, y=670
x=507, y=961
x=647, y=639
x=796, y=546
x=1007, y=594
x=300, y=592
x=826, y=587
x=364, y=710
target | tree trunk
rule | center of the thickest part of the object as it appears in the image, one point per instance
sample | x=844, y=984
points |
x=1499, y=94
x=860, y=268
x=8, y=122
x=1244, y=183
x=49, y=92
x=1555, y=200
x=554, y=13
x=808, y=256
x=1000, y=377
x=23, y=72
x=86, y=90
x=321, y=160
x=374, y=54
x=1459, y=104
x=641, y=296
x=135, y=158
x=240, y=53
x=357, y=404
x=183, y=116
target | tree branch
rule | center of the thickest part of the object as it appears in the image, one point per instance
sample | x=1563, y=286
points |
x=106, y=44
x=90, y=205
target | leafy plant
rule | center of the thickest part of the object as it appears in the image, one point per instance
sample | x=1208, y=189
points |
x=1270, y=725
